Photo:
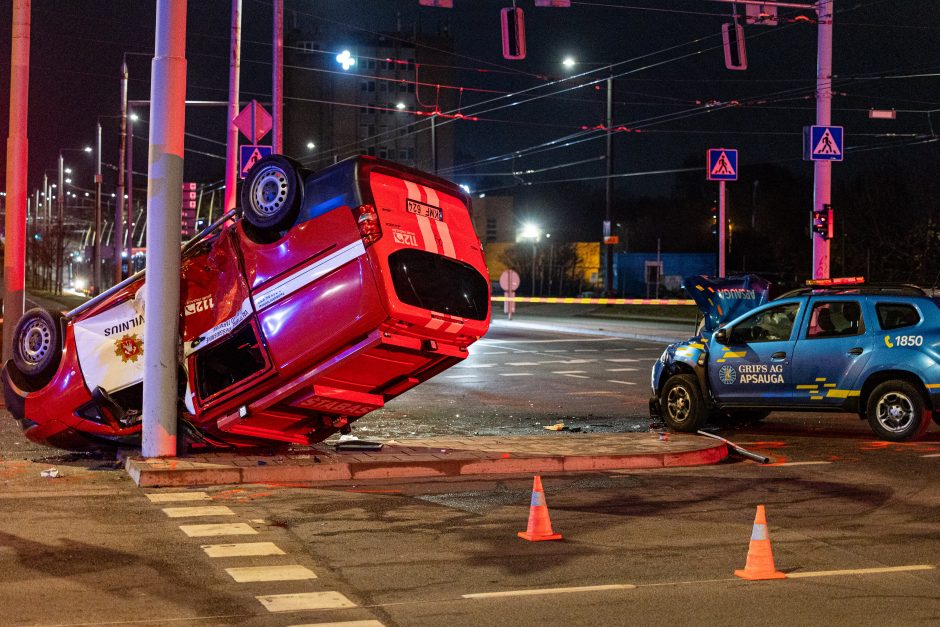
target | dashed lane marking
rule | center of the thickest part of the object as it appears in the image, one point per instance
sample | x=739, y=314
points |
x=862, y=571
x=494, y=353
x=932, y=455
x=622, y=360
x=328, y=600
x=461, y=376
x=347, y=623
x=523, y=363
x=208, y=510
x=515, y=374
x=586, y=350
x=555, y=350
x=230, y=529
x=538, y=591
x=568, y=371
x=578, y=376
x=621, y=370
x=288, y=572
x=244, y=549
x=819, y=463
x=475, y=366
x=170, y=497
x=621, y=382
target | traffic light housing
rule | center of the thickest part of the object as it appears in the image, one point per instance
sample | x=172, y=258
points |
x=512, y=24
x=822, y=222
x=714, y=219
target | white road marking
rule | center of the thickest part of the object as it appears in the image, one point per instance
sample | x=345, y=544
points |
x=461, y=376
x=800, y=464
x=578, y=376
x=621, y=382
x=208, y=510
x=537, y=591
x=555, y=350
x=568, y=372
x=169, y=497
x=244, y=549
x=569, y=361
x=345, y=623
x=581, y=339
x=515, y=374
x=862, y=571
x=494, y=353
x=230, y=529
x=288, y=572
x=524, y=363
x=305, y=601
x=475, y=366
x=586, y=350
x=932, y=455
x=621, y=370
x=622, y=360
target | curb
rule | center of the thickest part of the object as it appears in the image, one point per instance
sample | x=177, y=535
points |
x=432, y=462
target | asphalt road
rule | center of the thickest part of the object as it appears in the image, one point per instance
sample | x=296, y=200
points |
x=852, y=520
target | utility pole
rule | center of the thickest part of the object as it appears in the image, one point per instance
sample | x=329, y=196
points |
x=14, y=255
x=822, y=170
x=130, y=190
x=231, y=149
x=96, y=250
x=608, y=187
x=59, y=234
x=277, y=76
x=118, y=241
x=164, y=195
x=722, y=230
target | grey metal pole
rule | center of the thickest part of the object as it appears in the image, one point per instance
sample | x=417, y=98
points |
x=434, y=144
x=822, y=170
x=118, y=240
x=60, y=236
x=96, y=254
x=608, y=186
x=164, y=195
x=130, y=191
x=277, y=75
x=722, y=226
x=231, y=149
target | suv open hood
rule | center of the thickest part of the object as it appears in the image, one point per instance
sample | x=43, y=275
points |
x=721, y=300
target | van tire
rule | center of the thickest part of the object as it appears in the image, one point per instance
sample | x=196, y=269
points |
x=897, y=411
x=37, y=345
x=272, y=193
x=683, y=408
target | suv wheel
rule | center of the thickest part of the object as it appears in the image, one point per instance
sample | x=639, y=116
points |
x=682, y=405
x=37, y=345
x=896, y=411
x=272, y=193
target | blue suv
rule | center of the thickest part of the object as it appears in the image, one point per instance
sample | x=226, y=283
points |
x=850, y=347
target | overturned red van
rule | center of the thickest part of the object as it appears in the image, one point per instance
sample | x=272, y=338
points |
x=326, y=295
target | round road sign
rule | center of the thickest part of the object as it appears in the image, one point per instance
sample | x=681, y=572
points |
x=509, y=280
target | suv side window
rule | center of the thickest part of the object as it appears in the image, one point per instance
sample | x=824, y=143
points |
x=836, y=319
x=896, y=315
x=770, y=325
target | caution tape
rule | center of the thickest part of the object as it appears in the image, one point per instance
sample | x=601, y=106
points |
x=596, y=301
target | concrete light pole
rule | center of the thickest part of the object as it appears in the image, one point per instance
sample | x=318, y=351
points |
x=231, y=150
x=118, y=240
x=164, y=195
x=822, y=170
x=96, y=251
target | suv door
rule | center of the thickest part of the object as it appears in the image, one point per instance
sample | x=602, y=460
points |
x=753, y=367
x=832, y=351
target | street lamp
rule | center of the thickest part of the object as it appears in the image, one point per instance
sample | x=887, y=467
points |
x=531, y=231
x=311, y=145
x=60, y=217
x=346, y=59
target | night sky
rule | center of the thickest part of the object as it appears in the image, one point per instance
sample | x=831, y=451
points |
x=671, y=88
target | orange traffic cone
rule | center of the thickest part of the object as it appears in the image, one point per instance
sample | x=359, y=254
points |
x=540, y=526
x=760, y=559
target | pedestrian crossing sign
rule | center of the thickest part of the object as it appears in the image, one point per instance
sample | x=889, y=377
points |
x=822, y=143
x=722, y=164
x=248, y=155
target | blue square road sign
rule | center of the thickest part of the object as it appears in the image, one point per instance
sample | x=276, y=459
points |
x=248, y=155
x=722, y=164
x=823, y=143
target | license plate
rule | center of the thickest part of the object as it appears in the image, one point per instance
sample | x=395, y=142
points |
x=421, y=209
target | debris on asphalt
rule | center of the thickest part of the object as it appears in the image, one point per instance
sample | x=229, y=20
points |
x=663, y=436
x=559, y=426
x=51, y=473
x=355, y=444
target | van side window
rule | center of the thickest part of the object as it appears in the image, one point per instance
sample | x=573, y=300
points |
x=836, y=319
x=896, y=315
x=770, y=325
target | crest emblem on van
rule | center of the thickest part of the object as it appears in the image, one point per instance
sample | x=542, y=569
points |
x=129, y=348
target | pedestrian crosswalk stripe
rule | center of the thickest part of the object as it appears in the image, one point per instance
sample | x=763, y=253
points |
x=289, y=572
x=305, y=601
x=209, y=510
x=243, y=549
x=621, y=382
x=621, y=370
x=568, y=371
x=515, y=374
x=170, y=497
x=230, y=529
x=622, y=360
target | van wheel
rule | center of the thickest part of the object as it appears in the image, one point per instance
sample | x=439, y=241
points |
x=272, y=193
x=37, y=344
x=896, y=411
x=682, y=405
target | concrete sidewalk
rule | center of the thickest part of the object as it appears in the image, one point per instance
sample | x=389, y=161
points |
x=438, y=457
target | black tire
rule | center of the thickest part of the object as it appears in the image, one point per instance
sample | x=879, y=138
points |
x=272, y=193
x=37, y=344
x=896, y=411
x=683, y=407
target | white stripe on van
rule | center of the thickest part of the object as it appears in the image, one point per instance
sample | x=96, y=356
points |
x=424, y=223
x=446, y=240
x=434, y=323
x=454, y=327
x=307, y=275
